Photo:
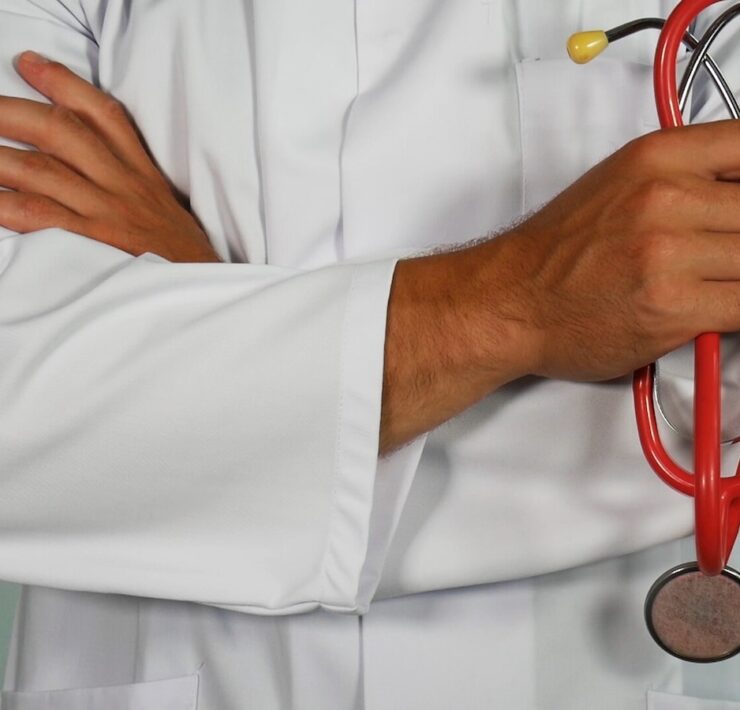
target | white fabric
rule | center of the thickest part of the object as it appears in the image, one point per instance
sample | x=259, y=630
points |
x=207, y=433
x=173, y=694
x=668, y=701
x=190, y=431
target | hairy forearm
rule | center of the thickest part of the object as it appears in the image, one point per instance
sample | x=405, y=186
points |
x=450, y=341
x=635, y=259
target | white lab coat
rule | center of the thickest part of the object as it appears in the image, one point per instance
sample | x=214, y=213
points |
x=189, y=450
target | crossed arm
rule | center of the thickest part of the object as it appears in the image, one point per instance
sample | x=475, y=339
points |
x=115, y=369
x=632, y=261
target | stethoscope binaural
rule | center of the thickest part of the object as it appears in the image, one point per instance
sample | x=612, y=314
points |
x=693, y=610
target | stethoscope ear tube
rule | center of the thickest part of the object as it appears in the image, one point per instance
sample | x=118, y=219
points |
x=716, y=509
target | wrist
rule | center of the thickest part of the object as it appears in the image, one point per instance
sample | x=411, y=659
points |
x=508, y=341
x=452, y=338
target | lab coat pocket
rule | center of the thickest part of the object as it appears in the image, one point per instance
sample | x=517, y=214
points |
x=171, y=694
x=666, y=701
x=574, y=116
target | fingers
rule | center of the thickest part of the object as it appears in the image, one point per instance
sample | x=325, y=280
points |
x=716, y=256
x=59, y=132
x=711, y=150
x=33, y=172
x=716, y=146
x=720, y=307
x=22, y=212
x=696, y=257
x=99, y=110
x=689, y=202
x=716, y=206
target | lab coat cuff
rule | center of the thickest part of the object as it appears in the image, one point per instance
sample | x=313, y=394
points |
x=393, y=478
x=361, y=478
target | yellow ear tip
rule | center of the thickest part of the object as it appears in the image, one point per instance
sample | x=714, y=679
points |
x=584, y=46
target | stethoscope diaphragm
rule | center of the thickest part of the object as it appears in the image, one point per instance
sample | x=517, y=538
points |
x=695, y=617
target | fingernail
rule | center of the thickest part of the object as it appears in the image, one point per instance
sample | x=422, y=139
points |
x=35, y=58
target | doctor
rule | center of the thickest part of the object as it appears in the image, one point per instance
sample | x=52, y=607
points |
x=207, y=337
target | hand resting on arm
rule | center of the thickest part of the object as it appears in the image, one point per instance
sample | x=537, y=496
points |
x=633, y=260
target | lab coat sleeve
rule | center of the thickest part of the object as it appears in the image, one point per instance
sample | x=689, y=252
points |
x=675, y=382
x=204, y=432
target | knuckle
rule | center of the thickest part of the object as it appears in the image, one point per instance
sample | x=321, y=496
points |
x=651, y=254
x=655, y=197
x=658, y=249
x=113, y=110
x=663, y=193
x=33, y=161
x=61, y=117
x=648, y=149
x=33, y=208
x=657, y=301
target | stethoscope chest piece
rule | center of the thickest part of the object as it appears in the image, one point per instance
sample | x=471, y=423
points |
x=695, y=617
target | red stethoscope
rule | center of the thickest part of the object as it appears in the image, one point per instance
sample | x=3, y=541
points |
x=692, y=611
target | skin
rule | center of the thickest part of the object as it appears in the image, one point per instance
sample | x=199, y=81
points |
x=633, y=260
x=90, y=173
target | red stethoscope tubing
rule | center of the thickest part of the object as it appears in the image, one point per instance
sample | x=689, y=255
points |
x=717, y=499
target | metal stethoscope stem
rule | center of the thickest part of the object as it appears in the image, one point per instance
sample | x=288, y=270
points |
x=700, y=56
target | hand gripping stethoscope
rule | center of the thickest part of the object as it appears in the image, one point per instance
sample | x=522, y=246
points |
x=693, y=610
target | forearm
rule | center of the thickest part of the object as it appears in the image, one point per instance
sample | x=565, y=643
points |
x=451, y=340
x=632, y=261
